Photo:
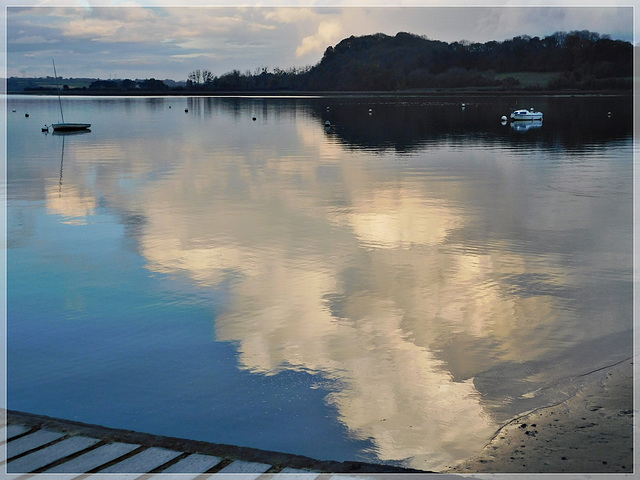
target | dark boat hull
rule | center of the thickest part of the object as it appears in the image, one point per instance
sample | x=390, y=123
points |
x=69, y=127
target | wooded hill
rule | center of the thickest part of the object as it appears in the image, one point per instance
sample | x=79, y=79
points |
x=582, y=60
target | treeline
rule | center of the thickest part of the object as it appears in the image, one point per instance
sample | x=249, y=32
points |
x=262, y=79
x=150, y=84
x=49, y=85
x=579, y=59
x=379, y=62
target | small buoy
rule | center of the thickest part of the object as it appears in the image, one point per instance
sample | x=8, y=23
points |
x=13, y=110
x=608, y=114
x=503, y=118
x=327, y=109
x=26, y=115
x=186, y=110
x=169, y=106
x=45, y=129
x=253, y=118
x=327, y=123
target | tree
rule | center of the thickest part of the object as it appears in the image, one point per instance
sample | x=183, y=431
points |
x=128, y=84
x=104, y=84
x=581, y=59
x=207, y=77
x=153, y=84
x=193, y=80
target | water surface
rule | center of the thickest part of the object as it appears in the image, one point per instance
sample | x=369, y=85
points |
x=388, y=289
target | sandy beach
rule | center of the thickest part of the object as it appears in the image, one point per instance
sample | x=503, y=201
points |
x=592, y=432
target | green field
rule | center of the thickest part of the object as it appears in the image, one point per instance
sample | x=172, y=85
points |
x=530, y=79
x=15, y=84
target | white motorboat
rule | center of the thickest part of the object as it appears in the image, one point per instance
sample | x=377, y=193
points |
x=524, y=114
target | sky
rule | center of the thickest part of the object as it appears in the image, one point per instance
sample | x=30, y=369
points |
x=156, y=40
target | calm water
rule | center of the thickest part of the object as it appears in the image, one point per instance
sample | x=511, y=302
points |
x=389, y=290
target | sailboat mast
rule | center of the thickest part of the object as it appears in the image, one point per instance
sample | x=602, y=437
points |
x=58, y=88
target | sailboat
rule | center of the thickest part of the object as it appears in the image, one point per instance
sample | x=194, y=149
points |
x=65, y=126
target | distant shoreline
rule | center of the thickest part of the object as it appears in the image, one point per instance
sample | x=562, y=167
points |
x=364, y=93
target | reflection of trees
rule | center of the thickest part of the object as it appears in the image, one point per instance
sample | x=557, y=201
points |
x=407, y=124
x=404, y=126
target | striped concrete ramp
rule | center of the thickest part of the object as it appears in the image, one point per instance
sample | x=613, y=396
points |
x=35, y=446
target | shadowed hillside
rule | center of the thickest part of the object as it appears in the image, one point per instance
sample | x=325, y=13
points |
x=576, y=60
x=580, y=60
x=406, y=61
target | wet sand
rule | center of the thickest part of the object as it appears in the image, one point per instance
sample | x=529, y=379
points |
x=592, y=432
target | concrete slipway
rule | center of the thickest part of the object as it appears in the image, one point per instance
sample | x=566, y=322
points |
x=35, y=446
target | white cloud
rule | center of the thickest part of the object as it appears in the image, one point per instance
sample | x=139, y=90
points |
x=247, y=37
x=290, y=14
x=31, y=39
x=195, y=55
x=328, y=32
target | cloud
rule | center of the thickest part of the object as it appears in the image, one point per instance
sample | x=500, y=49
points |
x=328, y=32
x=248, y=37
x=31, y=39
x=113, y=25
x=511, y=22
x=290, y=14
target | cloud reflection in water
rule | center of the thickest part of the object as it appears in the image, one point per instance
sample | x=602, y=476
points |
x=395, y=286
x=359, y=291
